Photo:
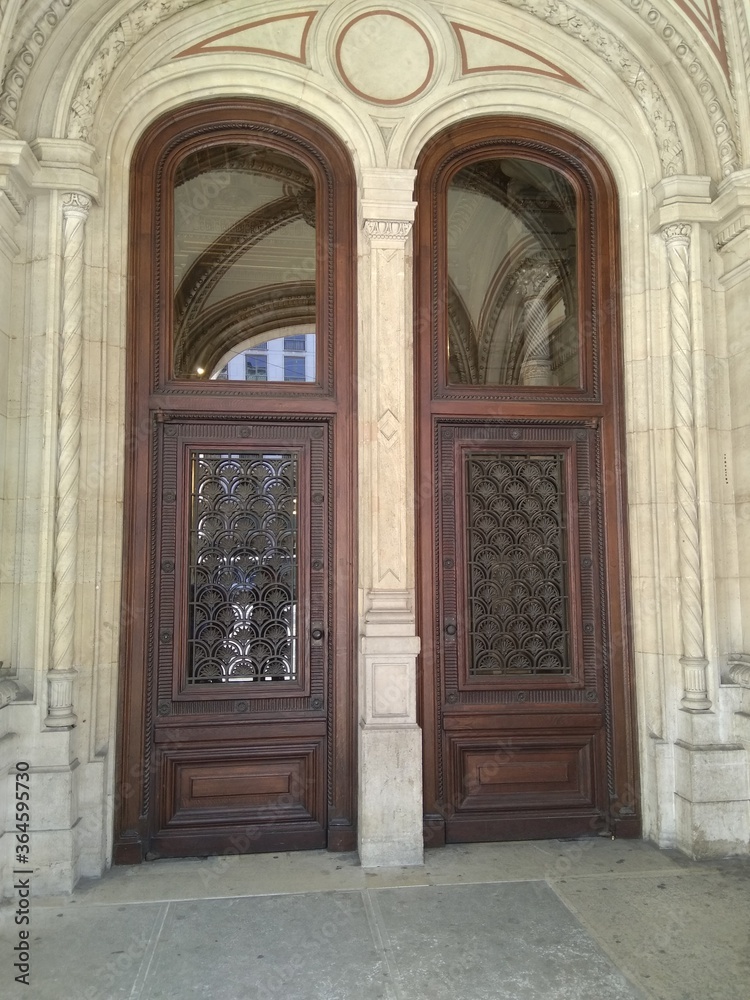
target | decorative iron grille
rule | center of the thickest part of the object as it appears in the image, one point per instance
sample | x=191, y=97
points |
x=243, y=568
x=516, y=564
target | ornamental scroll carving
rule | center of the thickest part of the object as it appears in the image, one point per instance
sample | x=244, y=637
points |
x=23, y=59
x=721, y=120
x=128, y=30
x=619, y=58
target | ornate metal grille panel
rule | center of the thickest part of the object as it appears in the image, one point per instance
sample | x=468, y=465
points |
x=243, y=567
x=516, y=564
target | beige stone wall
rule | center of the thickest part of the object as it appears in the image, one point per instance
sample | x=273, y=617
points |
x=612, y=74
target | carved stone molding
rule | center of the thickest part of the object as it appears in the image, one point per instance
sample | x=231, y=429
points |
x=721, y=119
x=695, y=692
x=739, y=669
x=128, y=30
x=387, y=229
x=75, y=209
x=736, y=228
x=9, y=691
x=22, y=61
x=625, y=64
x=743, y=25
x=60, y=714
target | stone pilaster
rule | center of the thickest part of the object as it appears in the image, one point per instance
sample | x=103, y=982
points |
x=694, y=663
x=390, y=741
x=60, y=712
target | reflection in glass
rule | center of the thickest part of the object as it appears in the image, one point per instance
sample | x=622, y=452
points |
x=512, y=286
x=243, y=568
x=244, y=259
x=272, y=361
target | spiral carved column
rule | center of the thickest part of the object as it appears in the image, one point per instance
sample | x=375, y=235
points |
x=694, y=663
x=60, y=713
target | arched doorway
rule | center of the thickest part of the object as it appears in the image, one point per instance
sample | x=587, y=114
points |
x=237, y=682
x=526, y=698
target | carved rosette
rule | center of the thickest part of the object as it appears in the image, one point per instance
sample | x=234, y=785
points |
x=60, y=711
x=695, y=691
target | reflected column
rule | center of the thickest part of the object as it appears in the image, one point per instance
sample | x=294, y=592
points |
x=536, y=367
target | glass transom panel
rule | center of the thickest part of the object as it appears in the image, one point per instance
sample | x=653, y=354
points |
x=512, y=284
x=245, y=264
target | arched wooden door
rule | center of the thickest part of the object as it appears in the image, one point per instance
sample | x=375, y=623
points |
x=526, y=699
x=236, y=683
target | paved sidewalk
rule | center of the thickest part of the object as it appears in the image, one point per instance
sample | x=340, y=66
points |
x=553, y=920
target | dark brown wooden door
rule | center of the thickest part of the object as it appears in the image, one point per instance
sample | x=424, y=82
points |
x=519, y=635
x=240, y=607
x=526, y=700
x=237, y=681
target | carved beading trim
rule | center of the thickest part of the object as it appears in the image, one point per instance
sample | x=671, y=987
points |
x=695, y=695
x=128, y=30
x=75, y=211
x=625, y=64
x=726, y=142
x=22, y=61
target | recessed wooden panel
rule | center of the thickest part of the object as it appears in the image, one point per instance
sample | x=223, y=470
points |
x=251, y=785
x=532, y=773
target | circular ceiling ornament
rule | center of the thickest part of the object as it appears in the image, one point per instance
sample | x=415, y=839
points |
x=384, y=57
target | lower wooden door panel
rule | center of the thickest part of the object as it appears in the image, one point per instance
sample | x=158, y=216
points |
x=521, y=643
x=241, y=789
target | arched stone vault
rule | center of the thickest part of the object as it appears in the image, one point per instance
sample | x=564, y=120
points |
x=659, y=90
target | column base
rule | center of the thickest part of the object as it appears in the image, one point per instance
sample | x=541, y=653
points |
x=390, y=801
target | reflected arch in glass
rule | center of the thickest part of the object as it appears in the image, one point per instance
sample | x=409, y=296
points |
x=512, y=297
x=244, y=260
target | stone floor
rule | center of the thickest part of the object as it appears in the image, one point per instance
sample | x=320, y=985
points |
x=558, y=920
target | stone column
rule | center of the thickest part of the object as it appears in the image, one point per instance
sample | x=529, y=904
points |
x=694, y=663
x=390, y=741
x=536, y=368
x=61, y=675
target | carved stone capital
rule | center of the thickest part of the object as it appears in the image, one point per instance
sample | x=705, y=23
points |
x=75, y=203
x=677, y=234
x=387, y=229
x=534, y=277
